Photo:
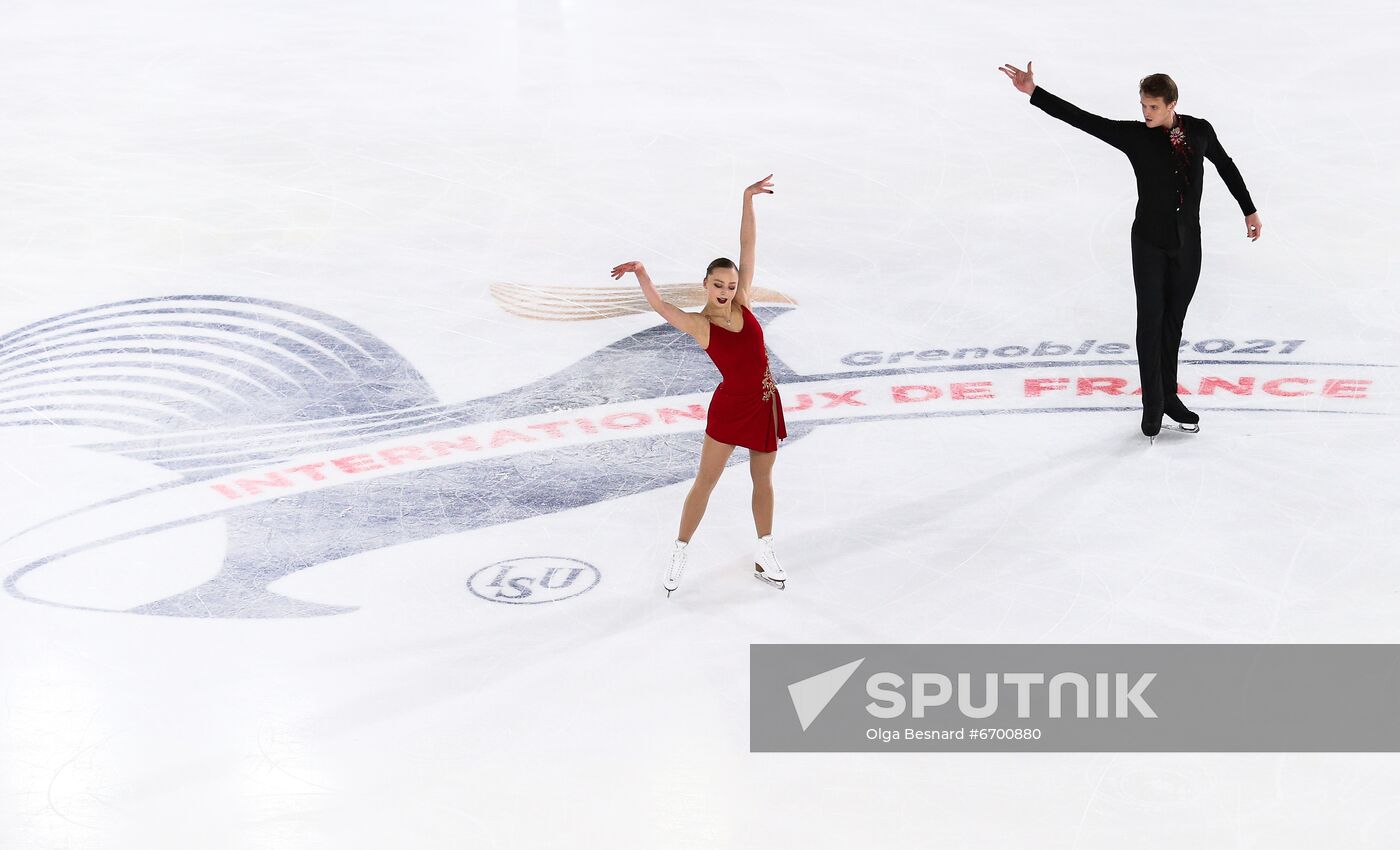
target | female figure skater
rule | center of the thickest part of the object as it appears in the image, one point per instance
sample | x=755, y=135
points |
x=1167, y=151
x=746, y=409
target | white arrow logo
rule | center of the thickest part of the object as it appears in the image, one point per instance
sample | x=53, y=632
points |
x=812, y=695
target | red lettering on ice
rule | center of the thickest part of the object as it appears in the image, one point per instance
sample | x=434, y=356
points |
x=505, y=436
x=1210, y=385
x=1110, y=386
x=914, y=392
x=1275, y=387
x=1338, y=388
x=356, y=463
x=1036, y=386
x=972, y=390
x=616, y=420
x=399, y=454
x=442, y=448
x=312, y=470
x=804, y=401
x=838, y=399
x=255, y=486
x=551, y=429
x=672, y=415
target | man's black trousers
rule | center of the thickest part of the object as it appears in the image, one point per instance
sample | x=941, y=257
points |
x=1165, y=280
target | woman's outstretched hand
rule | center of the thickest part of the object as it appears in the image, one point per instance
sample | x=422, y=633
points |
x=634, y=266
x=762, y=187
x=1024, y=81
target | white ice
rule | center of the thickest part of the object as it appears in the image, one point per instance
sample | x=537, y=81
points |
x=386, y=163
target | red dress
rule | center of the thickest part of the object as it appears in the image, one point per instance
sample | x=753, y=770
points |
x=746, y=409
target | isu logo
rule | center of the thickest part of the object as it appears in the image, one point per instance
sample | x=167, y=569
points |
x=281, y=437
x=531, y=581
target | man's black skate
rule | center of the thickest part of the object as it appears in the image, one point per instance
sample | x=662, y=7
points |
x=1187, y=421
x=1151, y=424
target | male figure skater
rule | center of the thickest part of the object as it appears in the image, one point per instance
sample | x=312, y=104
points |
x=1167, y=151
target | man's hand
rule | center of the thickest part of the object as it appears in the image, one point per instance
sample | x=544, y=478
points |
x=1024, y=81
x=1253, y=227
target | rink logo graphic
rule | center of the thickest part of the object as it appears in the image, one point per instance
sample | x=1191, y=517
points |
x=303, y=439
x=532, y=581
x=1074, y=697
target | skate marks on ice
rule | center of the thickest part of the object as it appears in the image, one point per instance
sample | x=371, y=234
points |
x=312, y=440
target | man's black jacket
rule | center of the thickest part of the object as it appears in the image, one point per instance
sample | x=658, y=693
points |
x=1159, y=216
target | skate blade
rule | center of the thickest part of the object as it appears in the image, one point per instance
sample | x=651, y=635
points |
x=1184, y=429
x=780, y=583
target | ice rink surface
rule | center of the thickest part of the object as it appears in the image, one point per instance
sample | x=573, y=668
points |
x=309, y=349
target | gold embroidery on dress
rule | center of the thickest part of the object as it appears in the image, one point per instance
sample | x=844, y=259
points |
x=769, y=385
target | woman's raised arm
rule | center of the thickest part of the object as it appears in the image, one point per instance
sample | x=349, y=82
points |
x=747, y=238
x=691, y=323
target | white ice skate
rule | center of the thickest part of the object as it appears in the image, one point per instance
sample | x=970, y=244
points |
x=765, y=564
x=677, y=568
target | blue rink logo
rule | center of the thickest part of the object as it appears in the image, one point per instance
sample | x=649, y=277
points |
x=531, y=581
x=293, y=438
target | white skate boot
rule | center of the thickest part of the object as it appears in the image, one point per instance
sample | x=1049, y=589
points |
x=765, y=564
x=677, y=568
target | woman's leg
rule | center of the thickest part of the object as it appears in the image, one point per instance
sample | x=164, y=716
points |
x=761, y=469
x=713, y=456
